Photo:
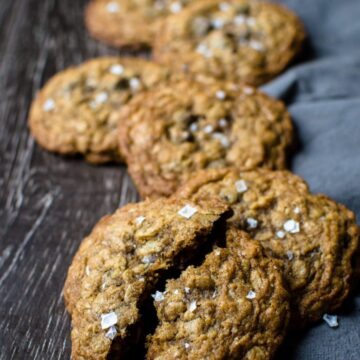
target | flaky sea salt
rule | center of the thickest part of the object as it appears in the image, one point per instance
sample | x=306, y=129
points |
x=108, y=320
x=111, y=333
x=117, y=69
x=297, y=210
x=192, y=306
x=113, y=7
x=331, y=320
x=49, y=105
x=241, y=186
x=218, y=23
x=256, y=45
x=280, y=234
x=135, y=84
x=292, y=226
x=100, y=98
x=223, y=139
x=208, y=129
x=149, y=259
x=193, y=127
x=223, y=123
x=239, y=19
x=252, y=223
x=139, y=220
x=204, y=50
x=187, y=211
x=224, y=6
x=175, y=7
x=251, y=295
x=220, y=94
x=187, y=289
x=290, y=255
x=158, y=296
x=186, y=345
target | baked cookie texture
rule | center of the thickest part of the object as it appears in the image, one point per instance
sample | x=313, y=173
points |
x=315, y=237
x=233, y=306
x=168, y=133
x=131, y=23
x=118, y=265
x=73, y=113
x=237, y=40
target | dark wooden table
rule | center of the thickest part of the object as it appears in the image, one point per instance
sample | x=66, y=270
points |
x=47, y=203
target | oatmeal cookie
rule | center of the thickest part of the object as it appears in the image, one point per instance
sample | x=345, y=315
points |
x=72, y=114
x=315, y=237
x=237, y=40
x=117, y=267
x=130, y=23
x=233, y=306
x=168, y=133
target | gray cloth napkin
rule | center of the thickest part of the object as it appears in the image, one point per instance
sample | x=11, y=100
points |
x=323, y=94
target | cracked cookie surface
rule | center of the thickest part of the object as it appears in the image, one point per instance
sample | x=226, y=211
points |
x=180, y=127
x=315, y=237
x=237, y=40
x=128, y=22
x=73, y=112
x=233, y=306
x=118, y=265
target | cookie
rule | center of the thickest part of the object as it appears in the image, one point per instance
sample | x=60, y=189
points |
x=315, y=237
x=72, y=114
x=242, y=41
x=233, y=306
x=130, y=23
x=180, y=127
x=117, y=267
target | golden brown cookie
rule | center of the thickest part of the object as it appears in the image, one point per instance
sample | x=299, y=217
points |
x=233, y=306
x=178, y=128
x=242, y=41
x=118, y=265
x=73, y=112
x=315, y=237
x=128, y=22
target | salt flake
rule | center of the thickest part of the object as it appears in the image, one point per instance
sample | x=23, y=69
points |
x=218, y=23
x=241, y=186
x=251, y=295
x=187, y=289
x=117, y=69
x=224, y=141
x=187, y=211
x=108, y=320
x=113, y=7
x=149, y=259
x=252, y=223
x=134, y=84
x=139, y=220
x=221, y=95
x=224, y=6
x=175, y=7
x=158, y=296
x=292, y=226
x=280, y=234
x=186, y=345
x=49, y=105
x=111, y=333
x=223, y=123
x=331, y=320
x=208, y=129
x=192, y=306
x=290, y=255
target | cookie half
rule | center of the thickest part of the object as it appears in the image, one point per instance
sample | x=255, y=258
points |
x=130, y=23
x=178, y=128
x=233, y=306
x=72, y=114
x=237, y=40
x=118, y=265
x=315, y=237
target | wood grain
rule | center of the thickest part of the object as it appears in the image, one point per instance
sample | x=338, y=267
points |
x=47, y=203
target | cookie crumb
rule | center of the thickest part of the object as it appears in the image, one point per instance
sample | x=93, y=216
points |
x=252, y=223
x=111, y=334
x=331, y=320
x=187, y=211
x=158, y=296
x=108, y=320
x=241, y=186
x=117, y=69
x=251, y=295
x=49, y=105
x=192, y=306
x=113, y=7
x=292, y=226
